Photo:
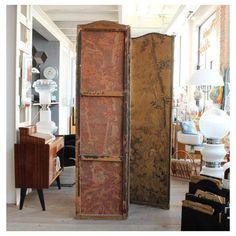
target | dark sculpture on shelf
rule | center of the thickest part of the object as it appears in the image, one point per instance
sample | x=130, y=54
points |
x=39, y=57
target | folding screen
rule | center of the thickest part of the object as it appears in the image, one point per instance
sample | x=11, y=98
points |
x=102, y=132
x=151, y=99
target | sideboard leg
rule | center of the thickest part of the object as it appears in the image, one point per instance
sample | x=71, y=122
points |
x=41, y=198
x=58, y=182
x=22, y=197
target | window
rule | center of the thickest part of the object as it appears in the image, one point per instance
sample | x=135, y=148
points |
x=208, y=52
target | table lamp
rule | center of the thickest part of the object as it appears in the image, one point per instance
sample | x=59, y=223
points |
x=205, y=78
x=214, y=125
x=45, y=87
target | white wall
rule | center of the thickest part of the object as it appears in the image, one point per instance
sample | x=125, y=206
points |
x=64, y=90
x=10, y=114
x=3, y=120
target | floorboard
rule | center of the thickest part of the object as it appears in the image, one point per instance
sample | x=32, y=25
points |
x=60, y=212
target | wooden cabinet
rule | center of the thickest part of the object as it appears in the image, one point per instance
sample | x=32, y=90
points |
x=36, y=161
x=102, y=121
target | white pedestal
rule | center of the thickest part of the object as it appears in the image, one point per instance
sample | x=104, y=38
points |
x=46, y=125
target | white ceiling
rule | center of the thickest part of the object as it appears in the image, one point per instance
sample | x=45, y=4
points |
x=67, y=17
x=143, y=18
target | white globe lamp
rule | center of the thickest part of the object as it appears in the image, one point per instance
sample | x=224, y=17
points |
x=214, y=125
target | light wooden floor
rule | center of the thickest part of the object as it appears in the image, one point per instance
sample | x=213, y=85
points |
x=60, y=211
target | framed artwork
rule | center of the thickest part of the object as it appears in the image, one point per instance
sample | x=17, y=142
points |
x=26, y=78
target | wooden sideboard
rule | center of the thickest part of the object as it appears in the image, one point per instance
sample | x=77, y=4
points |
x=36, y=162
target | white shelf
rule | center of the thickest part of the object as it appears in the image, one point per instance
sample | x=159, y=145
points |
x=38, y=104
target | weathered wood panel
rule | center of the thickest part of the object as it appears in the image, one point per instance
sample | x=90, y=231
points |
x=101, y=132
x=102, y=49
x=102, y=114
x=151, y=98
x=101, y=188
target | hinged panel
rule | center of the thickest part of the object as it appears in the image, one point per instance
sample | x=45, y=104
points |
x=102, y=120
x=151, y=90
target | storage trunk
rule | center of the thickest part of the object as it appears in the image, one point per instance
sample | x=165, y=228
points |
x=102, y=132
x=151, y=100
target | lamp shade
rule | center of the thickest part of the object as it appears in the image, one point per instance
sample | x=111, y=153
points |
x=206, y=77
x=214, y=123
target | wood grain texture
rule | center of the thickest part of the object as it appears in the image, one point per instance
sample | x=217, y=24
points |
x=101, y=93
x=103, y=26
x=29, y=134
x=35, y=163
x=102, y=142
x=31, y=166
x=151, y=91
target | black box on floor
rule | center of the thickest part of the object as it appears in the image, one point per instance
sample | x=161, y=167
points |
x=195, y=218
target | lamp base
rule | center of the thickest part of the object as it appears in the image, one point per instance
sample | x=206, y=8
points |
x=46, y=125
x=213, y=154
x=213, y=172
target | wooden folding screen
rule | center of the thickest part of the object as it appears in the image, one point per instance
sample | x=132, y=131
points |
x=151, y=98
x=102, y=132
